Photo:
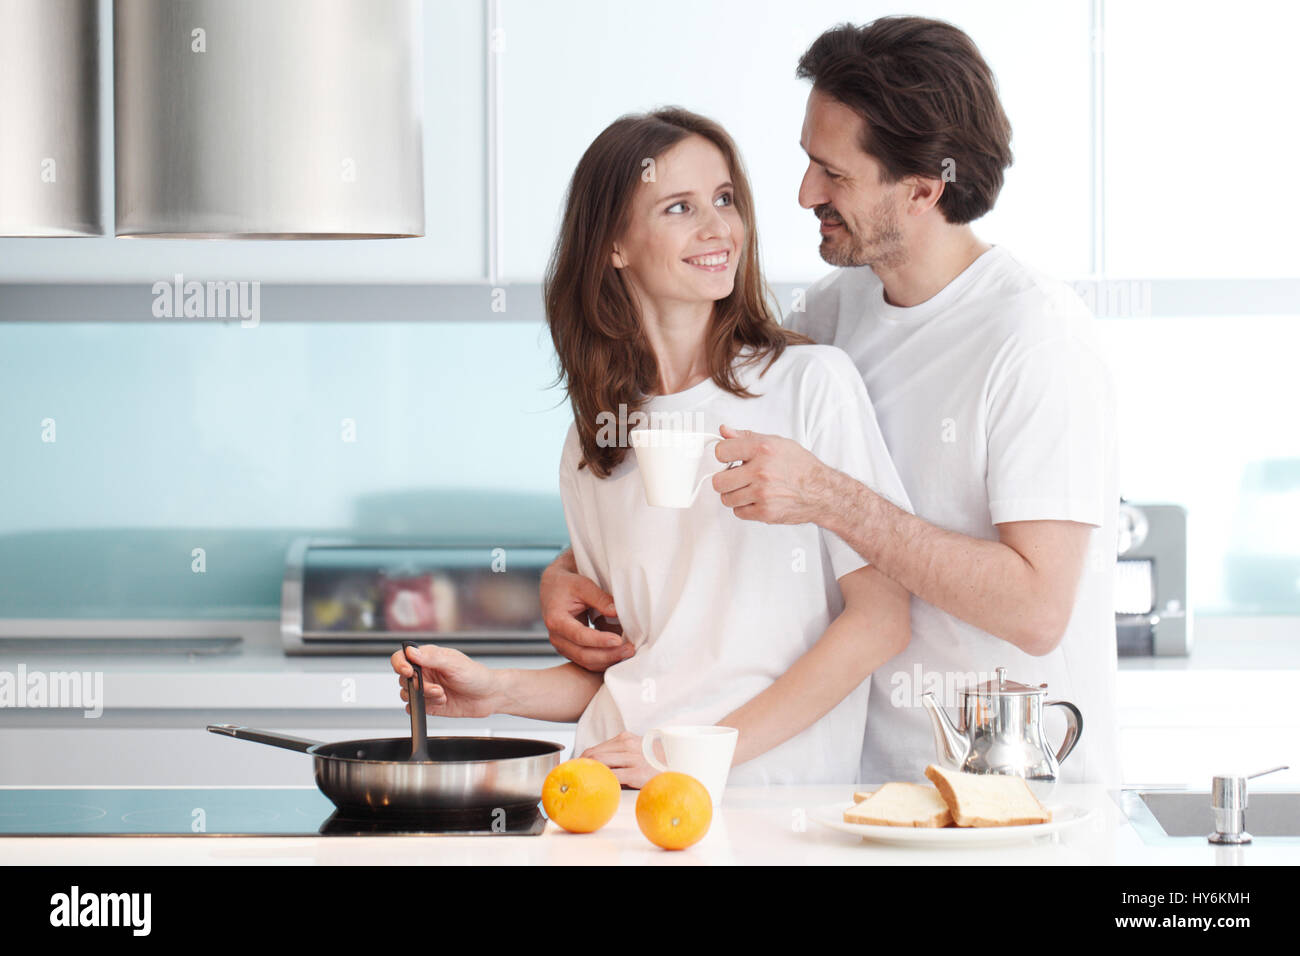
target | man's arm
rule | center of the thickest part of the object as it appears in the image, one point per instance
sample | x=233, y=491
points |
x=566, y=598
x=874, y=626
x=1020, y=588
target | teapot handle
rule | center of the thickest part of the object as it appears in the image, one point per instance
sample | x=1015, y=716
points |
x=1073, y=729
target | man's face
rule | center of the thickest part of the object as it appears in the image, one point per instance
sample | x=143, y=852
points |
x=860, y=219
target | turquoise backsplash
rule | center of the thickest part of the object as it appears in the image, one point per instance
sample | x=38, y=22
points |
x=207, y=435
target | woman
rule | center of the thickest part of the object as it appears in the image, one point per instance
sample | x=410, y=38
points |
x=656, y=306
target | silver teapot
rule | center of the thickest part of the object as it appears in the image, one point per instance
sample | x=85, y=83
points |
x=1001, y=731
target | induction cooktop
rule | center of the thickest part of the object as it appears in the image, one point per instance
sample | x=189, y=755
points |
x=234, y=811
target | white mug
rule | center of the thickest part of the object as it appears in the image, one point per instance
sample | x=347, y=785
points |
x=701, y=752
x=669, y=461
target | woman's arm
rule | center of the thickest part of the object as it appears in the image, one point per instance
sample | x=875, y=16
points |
x=874, y=626
x=552, y=693
x=459, y=686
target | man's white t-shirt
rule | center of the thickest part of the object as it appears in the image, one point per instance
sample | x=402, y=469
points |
x=719, y=607
x=996, y=406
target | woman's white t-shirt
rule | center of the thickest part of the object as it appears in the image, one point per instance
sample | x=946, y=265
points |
x=719, y=607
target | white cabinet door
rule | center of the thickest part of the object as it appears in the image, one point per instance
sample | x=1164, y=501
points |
x=564, y=737
x=453, y=249
x=570, y=67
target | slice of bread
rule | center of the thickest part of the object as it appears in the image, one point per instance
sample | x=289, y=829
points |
x=901, y=805
x=860, y=795
x=987, y=799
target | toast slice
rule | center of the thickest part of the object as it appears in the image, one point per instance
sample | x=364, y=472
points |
x=987, y=799
x=902, y=805
x=860, y=795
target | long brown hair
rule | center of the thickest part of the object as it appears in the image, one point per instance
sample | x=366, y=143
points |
x=930, y=103
x=605, y=359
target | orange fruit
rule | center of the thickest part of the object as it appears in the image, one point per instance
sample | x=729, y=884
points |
x=581, y=795
x=674, y=810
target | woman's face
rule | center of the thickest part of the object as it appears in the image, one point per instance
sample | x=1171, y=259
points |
x=684, y=233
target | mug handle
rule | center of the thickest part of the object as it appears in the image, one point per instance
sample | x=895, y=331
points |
x=700, y=484
x=1073, y=727
x=648, y=750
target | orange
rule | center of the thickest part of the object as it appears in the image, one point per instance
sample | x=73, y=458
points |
x=581, y=795
x=674, y=810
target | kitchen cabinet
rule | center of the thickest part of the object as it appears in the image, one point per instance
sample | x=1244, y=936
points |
x=453, y=249
x=570, y=67
x=154, y=710
x=173, y=750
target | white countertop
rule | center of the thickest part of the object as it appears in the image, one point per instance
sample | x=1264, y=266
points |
x=753, y=826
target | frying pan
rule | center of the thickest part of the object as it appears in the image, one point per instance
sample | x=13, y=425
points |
x=462, y=773
x=421, y=773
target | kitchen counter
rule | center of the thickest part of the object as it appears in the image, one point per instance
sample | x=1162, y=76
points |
x=258, y=675
x=754, y=826
x=254, y=674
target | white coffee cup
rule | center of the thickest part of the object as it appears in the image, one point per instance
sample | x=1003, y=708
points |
x=701, y=752
x=669, y=461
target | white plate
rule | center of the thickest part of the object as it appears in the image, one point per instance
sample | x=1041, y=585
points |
x=832, y=815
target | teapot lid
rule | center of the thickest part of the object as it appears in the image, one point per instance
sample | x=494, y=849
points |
x=1001, y=686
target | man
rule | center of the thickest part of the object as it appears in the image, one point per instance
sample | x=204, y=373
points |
x=991, y=396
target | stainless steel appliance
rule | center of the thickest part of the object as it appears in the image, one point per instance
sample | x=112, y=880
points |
x=1151, y=613
x=343, y=596
x=240, y=119
x=379, y=776
x=49, y=114
x=1000, y=730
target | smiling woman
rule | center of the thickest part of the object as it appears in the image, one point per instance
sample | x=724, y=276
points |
x=664, y=198
x=655, y=304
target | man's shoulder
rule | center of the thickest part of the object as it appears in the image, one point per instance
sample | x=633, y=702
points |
x=816, y=310
x=819, y=374
x=1028, y=307
x=819, y=359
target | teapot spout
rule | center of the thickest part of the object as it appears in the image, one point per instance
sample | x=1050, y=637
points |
x=949, y=745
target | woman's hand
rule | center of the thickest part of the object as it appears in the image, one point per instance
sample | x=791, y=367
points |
x=622, y=754
x=454, y=685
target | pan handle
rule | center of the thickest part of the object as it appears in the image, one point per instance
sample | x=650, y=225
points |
x=300, y=744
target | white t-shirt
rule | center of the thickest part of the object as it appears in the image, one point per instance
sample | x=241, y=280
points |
x=996, y=406
x=719, y=607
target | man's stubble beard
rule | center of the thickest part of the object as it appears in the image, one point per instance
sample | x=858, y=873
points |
x=882, y=248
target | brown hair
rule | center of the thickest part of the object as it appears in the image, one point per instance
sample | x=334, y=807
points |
x=605, y=358
x=927, y=97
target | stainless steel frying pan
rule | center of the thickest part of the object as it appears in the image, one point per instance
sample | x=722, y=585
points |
x=462, y=773
x=414, y=774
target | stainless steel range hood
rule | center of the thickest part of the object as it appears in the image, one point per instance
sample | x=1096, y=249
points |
x=268, y=119
x=49, y=118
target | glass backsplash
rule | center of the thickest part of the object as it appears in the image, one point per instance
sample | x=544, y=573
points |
x=127, y=446
x=153, y=470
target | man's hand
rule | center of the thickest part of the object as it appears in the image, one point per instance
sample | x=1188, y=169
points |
x=623, y=755
x=566, y=598
x=780, y=482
